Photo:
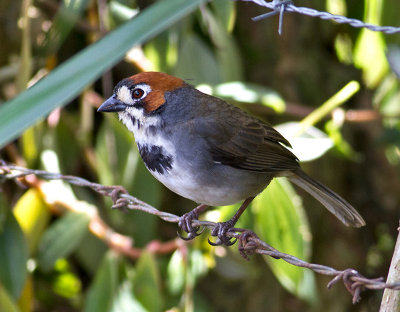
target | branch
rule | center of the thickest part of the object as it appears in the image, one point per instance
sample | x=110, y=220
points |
x=249, y=243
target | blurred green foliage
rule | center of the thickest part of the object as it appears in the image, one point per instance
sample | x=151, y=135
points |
x=60, y=246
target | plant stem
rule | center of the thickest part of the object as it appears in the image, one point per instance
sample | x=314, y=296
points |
x=338, y=99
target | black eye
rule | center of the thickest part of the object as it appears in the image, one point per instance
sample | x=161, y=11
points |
x=137, y=93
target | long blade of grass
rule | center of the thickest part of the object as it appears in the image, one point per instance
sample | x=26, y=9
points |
x=68, y=80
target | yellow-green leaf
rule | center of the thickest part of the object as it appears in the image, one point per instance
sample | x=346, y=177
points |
x=369, y=51
x=32, y=215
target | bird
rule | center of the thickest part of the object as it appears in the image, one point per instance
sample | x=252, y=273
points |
x=210, y=151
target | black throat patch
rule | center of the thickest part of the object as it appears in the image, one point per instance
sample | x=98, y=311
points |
x=155, y=158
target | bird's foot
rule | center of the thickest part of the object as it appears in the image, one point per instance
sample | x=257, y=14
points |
x=220, y=231
x=185, y=223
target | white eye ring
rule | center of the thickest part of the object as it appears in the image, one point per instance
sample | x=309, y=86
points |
x=140, y=91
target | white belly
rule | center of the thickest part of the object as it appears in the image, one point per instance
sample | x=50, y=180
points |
x=184, y=184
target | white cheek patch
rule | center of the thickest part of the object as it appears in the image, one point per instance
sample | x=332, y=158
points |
x=124, y=95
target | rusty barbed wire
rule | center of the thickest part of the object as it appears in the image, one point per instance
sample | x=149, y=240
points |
x=248, y=242
x=282, y=6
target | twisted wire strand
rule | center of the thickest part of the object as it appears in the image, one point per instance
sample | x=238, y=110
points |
x=281, y=6
x=249, y=243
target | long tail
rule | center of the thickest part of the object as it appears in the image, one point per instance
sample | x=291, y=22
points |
x=332, y=201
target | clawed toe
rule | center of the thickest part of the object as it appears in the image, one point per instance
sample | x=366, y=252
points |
x=220, y=231
x=185, y=223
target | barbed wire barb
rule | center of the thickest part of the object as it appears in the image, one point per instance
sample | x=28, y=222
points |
x=248, y=242
x=282, y=6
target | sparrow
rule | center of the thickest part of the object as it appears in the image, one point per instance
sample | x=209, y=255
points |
x=209, y=151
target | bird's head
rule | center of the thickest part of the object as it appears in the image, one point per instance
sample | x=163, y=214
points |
x=144, y=92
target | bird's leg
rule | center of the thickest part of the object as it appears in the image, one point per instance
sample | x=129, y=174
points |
x=222, y=228
x=185, y=222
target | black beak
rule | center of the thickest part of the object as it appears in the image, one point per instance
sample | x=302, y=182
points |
x=112, y=105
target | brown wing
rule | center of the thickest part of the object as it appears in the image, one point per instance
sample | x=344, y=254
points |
x=244, y=142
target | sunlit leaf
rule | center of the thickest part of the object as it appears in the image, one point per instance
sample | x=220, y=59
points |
x=120, y=12
x=344, y=48
x=309, y=145
x=162, y=51
x=225, y=12
x=31, y=144
x=247, y=93
x=14, y=255
x=32, y=215
x=146, y=283
x=197, y=266
x=369, y=50
x=281, y=222
x=124, y=299
x=104, y=287
x=70, y=78
x=61, y=238
x=176, y=273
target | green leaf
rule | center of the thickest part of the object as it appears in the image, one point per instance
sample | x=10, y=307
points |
x=125, y=300
x=198, y=266
x=197, y=62
x=281, y=222
x=62, y=24
x=14, y=255
x=101, y=293
x=70, y=78
x=61, y=238
x=146, y=283
x=229, y=60
x=90, y=253
x=4, y=208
